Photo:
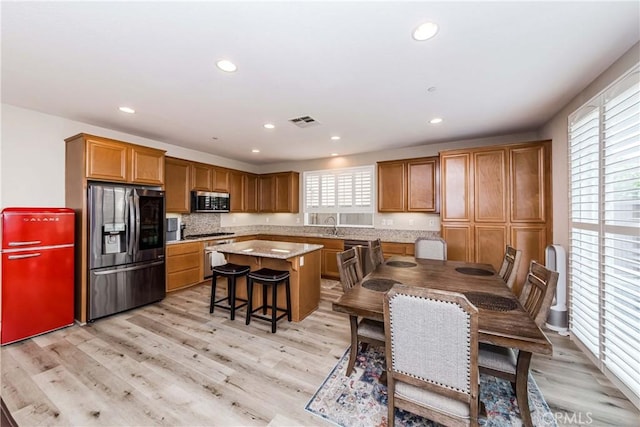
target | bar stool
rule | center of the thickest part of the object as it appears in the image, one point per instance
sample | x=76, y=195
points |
x=268, y=277
x=231, y=272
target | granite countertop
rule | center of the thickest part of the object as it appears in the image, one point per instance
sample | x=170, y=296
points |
x=266, y=248
x=394, y=236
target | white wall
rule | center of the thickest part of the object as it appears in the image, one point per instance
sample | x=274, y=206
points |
x=33, y=155
x=556, y=130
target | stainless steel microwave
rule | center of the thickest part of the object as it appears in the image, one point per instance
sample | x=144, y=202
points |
x=203, y=201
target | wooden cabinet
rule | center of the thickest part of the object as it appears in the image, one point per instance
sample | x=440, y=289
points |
x=201, y=177
x=279, y=192
x=494, y=196
x=392, y=186
x=250, y=193
x=209, y=178
x=178, y=185
x=409, y=185
x=117, y=161
x=184, y=265
x=236, y=190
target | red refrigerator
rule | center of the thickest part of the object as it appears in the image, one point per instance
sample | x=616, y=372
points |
x=37, y=271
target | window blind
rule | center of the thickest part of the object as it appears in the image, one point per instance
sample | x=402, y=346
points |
x=345, y=194
x=604, y=253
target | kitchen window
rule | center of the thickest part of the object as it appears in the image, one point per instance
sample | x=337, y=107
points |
x=339, y=197
x=604, y=241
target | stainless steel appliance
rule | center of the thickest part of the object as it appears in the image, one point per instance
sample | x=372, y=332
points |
x=362, y=246
x=173, y=229
x=202, y=201
x=126, y=248
x=208, y=264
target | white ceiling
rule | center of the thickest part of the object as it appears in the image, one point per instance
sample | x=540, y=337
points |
x=497, y=68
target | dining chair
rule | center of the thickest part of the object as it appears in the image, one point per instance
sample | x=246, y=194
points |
x=431, y=248
x=432, y=355
x=510, y=265
x=365, y=331
x=375, y=252
x=513, y=366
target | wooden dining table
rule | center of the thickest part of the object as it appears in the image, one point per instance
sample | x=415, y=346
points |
x=502, y=320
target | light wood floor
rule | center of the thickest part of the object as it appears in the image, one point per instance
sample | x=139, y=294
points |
x=173, y=363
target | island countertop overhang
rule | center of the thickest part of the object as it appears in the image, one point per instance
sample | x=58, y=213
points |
x=266, y=248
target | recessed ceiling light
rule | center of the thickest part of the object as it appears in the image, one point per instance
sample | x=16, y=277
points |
x=431, y=89
x=226, y=65
x=127, y=110
x=269, y=126
x=334, y=154
x=425, y=31
x=435, y=121
x=335, y=138
x=255, y=150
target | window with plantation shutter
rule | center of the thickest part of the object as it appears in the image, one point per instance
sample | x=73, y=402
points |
x=604, y=253
x=343, y=196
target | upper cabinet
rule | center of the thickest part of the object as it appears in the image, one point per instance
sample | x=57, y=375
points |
x=209, y=178
x=250, y=192
x=236, y=191
x=410, y=185
x=178, y=185
x=116, y=161
x=279, y=192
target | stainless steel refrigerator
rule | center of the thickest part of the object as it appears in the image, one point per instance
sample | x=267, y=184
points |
x=126, y=248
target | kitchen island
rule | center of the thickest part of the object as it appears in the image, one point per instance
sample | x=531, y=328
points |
x=301, y=260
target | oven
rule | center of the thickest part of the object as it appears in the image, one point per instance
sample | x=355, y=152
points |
x=207, y=256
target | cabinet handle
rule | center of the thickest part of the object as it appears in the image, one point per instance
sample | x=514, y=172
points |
x=33, y=242
x=24, y=256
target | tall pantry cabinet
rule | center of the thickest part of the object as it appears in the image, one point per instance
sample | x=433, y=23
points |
x=494, y=196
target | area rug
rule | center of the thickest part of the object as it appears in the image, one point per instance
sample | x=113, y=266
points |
x=360, y=400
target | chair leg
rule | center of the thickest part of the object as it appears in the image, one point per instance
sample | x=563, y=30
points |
x=231, y=284
x=213, y=292
x=264, y=299
x=249, y=299
x=522, y=392
x=274, y=306
x=288, y=294
x=391, y=409
x=353, y=353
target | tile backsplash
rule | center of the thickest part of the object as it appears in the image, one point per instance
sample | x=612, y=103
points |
x=201, y=223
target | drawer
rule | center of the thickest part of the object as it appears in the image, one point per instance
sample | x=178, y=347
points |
x=184, y=248
x=184, y=261
x=183, y=278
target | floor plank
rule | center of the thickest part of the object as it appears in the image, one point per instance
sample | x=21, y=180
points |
x=174, y=363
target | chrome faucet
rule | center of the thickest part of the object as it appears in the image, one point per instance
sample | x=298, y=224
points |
x=334, y=223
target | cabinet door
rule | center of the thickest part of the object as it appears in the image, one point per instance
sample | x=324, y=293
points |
x=532, y=241
x=456, y=182
x=459, y=240
x=266, y=193
x=330, y=264
x=107, y=160
x=490, y=242
x=236, y=191
x=392, y=187
x=221, y=179
x=201, y=177
x=147, y=166
x=286, y=187
x=490, y=186
x=177, y=185
x=422, y=185
x=528, y=178
x=250, y=193
x=184, y=265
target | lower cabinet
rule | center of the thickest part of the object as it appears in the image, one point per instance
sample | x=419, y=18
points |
x=184, y=265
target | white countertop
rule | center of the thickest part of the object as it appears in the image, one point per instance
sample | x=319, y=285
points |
x=266, y=248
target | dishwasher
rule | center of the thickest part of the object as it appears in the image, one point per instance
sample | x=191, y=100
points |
x=362, y=246
x=207, y=256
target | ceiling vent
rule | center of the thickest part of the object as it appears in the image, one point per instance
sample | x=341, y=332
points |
x=304, y=121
